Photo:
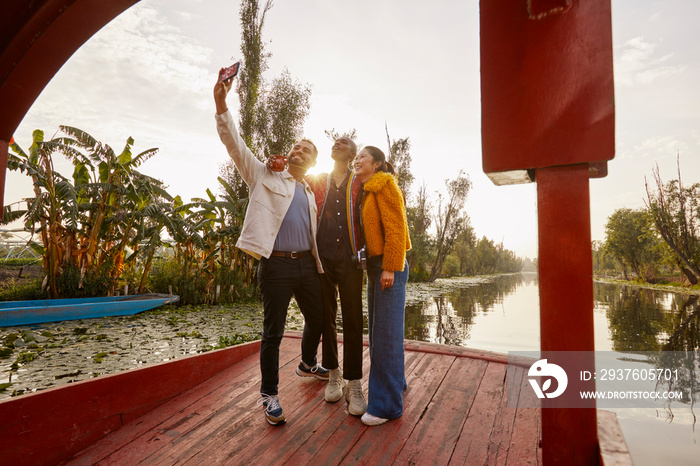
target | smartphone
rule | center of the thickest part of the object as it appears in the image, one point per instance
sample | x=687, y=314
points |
x=229, y=73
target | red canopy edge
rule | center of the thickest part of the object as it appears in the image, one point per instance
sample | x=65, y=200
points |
x=38, y=37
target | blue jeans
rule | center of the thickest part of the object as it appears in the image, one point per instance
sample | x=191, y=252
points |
x=386, y=309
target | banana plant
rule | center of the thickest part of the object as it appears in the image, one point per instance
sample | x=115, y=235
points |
x=110, y=216
x=235, y=209
x=156, y=217
x=113, y=193
x=141, y=217
x=210, y=219
x=54, y=203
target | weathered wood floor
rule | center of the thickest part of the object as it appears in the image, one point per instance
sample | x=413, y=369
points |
x=456, y=412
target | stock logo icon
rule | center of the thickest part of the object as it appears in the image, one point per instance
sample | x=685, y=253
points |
x=546, y=371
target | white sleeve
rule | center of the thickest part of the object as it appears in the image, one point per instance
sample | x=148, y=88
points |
x=250, y=168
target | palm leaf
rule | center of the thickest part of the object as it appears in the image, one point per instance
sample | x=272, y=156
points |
x=143, y=156
x=37, y=248
x=125, y=157
x=69, y=200
x=9, y=215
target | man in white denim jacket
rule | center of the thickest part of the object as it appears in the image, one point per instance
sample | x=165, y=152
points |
x=280, y=230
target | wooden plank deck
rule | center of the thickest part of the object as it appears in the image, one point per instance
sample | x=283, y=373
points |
x=455, y=412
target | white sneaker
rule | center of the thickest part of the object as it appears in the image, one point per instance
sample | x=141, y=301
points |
x=369, y=420
x=356, y=400
x=334, y=389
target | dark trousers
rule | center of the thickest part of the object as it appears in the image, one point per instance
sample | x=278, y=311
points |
x=280, y=278
x=341, y=276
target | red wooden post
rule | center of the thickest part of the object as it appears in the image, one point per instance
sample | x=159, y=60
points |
x=548, y=116
x=569, y=435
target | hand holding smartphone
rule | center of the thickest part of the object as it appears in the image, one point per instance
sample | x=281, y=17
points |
x=226, y=74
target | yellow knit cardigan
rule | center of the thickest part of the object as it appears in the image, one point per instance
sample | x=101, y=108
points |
x=384, y=221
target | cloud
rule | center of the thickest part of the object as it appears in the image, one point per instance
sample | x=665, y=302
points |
x=144, y=40
x=139, y=76
x=659, y=147
x=636, y=63
x=137, y=69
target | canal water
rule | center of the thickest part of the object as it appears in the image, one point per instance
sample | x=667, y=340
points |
x=501, y=313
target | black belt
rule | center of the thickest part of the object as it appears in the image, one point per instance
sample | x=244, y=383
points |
x=291, y=255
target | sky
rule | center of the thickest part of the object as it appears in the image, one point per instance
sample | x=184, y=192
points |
x=410, y=65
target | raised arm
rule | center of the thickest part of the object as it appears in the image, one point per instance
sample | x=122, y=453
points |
x=221, y=90
x=250, y=168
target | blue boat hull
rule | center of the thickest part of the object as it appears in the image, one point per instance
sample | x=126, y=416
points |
x=55, y=310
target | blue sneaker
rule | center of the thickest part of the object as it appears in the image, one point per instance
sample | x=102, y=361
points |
x=273, y=410
x=318, y=371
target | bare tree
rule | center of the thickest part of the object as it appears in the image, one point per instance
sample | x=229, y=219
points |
x=676, y=214
x=419, y=220
x=400, y=157
x=450, y=219
x=333, y=135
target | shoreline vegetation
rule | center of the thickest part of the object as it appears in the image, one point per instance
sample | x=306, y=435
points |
x=671, y=287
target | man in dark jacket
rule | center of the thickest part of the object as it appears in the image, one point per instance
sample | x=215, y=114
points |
x=337, y=196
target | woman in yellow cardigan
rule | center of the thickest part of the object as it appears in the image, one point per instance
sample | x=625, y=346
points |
x=386, y=236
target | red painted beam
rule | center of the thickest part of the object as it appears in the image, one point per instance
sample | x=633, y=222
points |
x=548, y=109
x=569, y=435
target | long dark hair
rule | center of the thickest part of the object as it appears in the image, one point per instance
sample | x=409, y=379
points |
x=378, y=156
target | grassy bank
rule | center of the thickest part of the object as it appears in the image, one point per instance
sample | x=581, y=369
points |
x=671, y=286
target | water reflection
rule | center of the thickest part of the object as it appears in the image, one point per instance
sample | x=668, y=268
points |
x=649, y=320
x=502, y=314
x=452, y=316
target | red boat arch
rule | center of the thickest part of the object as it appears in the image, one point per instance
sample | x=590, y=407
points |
x=38, y=37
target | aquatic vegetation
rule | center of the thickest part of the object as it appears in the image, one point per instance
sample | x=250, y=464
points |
x=235, y=339
x=99, y=357
x=24, y=358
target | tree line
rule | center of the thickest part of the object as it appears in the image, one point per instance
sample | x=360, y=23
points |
x=657, y=242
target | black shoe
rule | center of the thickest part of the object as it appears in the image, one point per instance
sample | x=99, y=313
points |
x=318, y=371
x=273, y=410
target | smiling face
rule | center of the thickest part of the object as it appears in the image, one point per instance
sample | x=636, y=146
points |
x=365, y=165
x=343, y=150
x=303, y=154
